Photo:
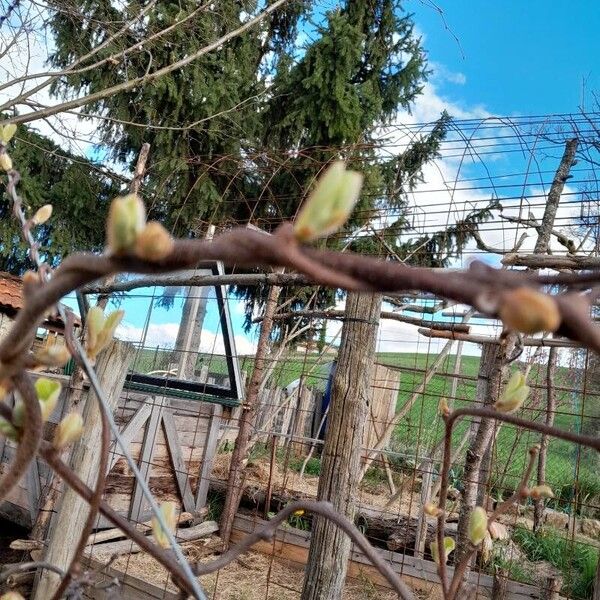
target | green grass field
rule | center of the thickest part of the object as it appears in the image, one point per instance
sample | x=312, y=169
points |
x=422, y=427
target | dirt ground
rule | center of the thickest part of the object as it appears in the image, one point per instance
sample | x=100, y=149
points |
x=374, y=494
x=253, y=576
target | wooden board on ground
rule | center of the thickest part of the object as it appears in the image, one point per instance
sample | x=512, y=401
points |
x=128, y=547
x=292, y=544
x=131, y=587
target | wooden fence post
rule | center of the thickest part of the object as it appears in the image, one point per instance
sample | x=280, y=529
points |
x=330, y=547
x=550, y=588
x=426, y=483
x=210, y=449
x=500, y=584
x=67, y=525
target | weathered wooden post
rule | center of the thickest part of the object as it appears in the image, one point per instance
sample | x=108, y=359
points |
x=550, y=588
x=500, y=584
x=426, y=484
x=67, y=525
x=340, y=468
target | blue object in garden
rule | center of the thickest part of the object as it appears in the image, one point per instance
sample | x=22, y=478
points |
x=327, y=397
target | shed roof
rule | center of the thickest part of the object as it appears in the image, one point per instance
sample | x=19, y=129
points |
x=11, y=292
x=11, y=299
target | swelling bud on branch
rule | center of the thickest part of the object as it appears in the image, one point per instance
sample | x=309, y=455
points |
x=5, y=162
x=48, y=392
x=7, y=132
x=153, y=243
x=100, y=330
x=169, y=514
x=432, y=510
x=42, y=214
x=541, y=491
x=69, y=430
x=514, y=394
x=329, y=204
x=11, y=596
x=53, y=355
x=478, y=523
x=529, y=311
x=449, y=545
x=126, y=220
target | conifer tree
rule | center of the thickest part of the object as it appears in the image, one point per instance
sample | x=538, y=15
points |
x=78, y=190
x=239, y=134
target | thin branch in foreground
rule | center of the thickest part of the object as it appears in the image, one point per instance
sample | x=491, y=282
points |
x=519, y=494
x=324, y=509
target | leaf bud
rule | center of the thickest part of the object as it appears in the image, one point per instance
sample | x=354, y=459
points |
x=529, y=311
x=478, y=523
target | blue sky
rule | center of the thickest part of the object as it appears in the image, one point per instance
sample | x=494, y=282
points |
x=164, y=322
x=520, y=57
x=511, y=58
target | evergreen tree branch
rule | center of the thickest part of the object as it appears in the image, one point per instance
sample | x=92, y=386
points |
x=145, y=79
x=53, y=76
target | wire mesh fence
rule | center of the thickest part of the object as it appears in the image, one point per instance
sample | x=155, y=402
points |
x=427, y=350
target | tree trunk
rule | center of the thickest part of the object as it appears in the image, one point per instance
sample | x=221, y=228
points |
x=538, y=510
x=491, y=372
x=340, y=466
x=247, y=420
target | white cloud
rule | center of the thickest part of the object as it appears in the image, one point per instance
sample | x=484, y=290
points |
x=430, y=104
x=396, y=336
x=165, y=336
x=442, y=74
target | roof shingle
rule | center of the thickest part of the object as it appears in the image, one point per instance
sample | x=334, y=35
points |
x=11, y=291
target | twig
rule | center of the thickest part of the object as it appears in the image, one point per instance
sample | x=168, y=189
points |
x=148, y=77
x=519, y=494
x=325, y=509
x=450, y=420
x=9, y=570
x=30, y=438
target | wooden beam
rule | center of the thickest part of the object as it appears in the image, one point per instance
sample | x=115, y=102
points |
x=66, y=527
x=384, y=314
x=191, y=278
x=210, y=449
x=146, y=455
x=129, y=432
x=128, y=547
x=292, y=544
x=177, y=462
x=552, y=261
x=130, y=587
x=426, y=483
x=116, y=533
x=486, y=339
x=34, y=490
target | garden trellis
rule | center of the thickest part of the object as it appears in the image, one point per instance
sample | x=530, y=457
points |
x=423, y=349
